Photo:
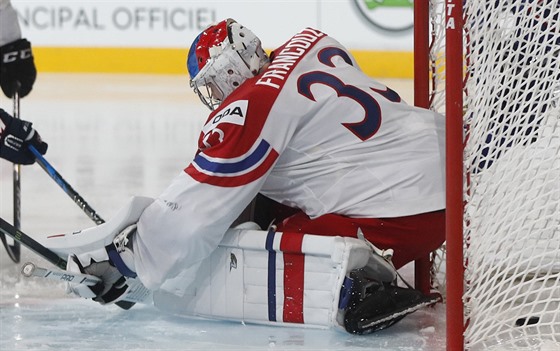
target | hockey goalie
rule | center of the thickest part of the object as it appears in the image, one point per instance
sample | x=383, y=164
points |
x=254, y=276
x=306, y=129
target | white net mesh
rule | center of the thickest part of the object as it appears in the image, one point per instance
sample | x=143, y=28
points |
x=512, y=165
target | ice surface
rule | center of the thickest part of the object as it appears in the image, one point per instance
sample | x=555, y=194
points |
x=110, y=137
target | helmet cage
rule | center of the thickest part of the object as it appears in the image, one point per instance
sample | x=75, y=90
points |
x=222, y=74
x=238, y=57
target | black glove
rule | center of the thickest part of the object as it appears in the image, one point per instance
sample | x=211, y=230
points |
x=17, y=69
x=15, y=137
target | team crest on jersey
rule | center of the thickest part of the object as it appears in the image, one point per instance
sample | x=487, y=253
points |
x=233, y=113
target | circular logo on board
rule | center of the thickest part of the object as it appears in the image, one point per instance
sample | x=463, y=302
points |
x=389, y=15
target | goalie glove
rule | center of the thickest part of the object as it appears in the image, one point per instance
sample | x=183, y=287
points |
x=114, y=264
x=106, y=252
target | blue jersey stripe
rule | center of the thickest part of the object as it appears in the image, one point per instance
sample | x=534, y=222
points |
x=234, y=167
x=271, y=275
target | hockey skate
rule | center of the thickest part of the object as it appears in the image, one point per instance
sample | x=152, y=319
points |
x=375, y=306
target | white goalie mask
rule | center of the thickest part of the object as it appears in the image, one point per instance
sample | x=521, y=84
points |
x=221, y=58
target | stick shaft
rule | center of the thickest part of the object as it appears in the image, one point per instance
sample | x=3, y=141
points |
x=30, y=270
x=33, y=245
x=17, y=176
x=67, y=188
x=13, y=249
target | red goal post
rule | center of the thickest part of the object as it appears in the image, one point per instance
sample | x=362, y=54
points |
x=493, y=69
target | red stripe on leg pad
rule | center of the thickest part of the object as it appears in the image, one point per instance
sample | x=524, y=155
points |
x=294, y=264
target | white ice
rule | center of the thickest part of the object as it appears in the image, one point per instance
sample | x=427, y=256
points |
x=110, y=137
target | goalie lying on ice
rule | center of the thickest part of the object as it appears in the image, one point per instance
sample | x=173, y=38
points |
x=254, y=276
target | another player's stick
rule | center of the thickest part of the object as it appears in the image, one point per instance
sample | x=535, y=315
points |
x=30, y=243
x=67, y=188
x=13, y=249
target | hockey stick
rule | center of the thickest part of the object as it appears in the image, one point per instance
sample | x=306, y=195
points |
x=73, y=194
x=14, y=249
x=33, y=245
x=31, y=270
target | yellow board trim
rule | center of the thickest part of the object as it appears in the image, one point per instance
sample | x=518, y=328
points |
x=390, y=64
x=386, y=64
x=110, y=60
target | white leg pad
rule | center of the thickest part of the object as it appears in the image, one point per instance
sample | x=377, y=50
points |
x=269, y=278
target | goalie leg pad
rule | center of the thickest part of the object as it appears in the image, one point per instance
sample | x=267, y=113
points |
x=270, y=278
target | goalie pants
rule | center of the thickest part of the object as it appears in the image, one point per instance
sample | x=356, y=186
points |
x=411, y=237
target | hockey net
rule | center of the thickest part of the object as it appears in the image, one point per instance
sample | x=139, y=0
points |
x=511, y=164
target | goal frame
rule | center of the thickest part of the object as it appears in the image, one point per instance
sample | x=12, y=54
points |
x=454, y=84
x=492, y=69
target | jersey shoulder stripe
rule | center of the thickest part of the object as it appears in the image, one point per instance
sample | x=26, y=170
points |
x=212, y=165
x=233, y=172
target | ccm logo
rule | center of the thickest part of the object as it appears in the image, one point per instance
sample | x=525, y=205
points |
x=14, y=55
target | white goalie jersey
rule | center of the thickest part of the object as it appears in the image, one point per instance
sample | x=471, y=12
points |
x=312, y=132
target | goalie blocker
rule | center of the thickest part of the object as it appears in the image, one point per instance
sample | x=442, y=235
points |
x=274, y=278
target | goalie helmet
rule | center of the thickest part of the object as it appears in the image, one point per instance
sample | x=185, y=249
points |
x=221, y=58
